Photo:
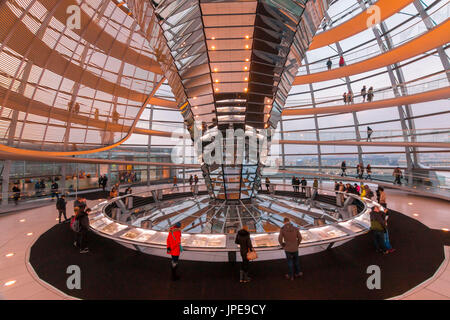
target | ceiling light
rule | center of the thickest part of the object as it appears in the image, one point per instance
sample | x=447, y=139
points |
x=415, y=214
x=10, y=283
x=444, y=229
x=213, y=47
x=245, y=89
x=29, y=233
x=245, y=79
x=247, y=59
x=217, y=81
x=214, y=38
x=9, y=255
x=410, y=203
x=22, y=220
x=215, y=69
x=245, y=68
x=217, y=89
x=247, y=37
x=246, y=46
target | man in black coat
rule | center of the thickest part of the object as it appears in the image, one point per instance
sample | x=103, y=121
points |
x=61, y=207
x=245, y=244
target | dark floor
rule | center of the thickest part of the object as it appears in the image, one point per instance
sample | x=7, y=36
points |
x=111, y=271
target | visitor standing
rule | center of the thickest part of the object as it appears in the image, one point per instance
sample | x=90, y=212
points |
x=80, y=225
x=174, y=248
x=343, y=169
x=16, y=194
x=364, y=93
x=369, y=134
x=387, y=241
x=54, y=188
x=369, y=172
x=350, y=96
x=397, y=176
x=61, y=207
x=370, y=94
x=104, y=182
x=304, y=183
x=329, y=64
x=245, y=246
x=378, y=227
x=267, y=183
x=382, y=197
x=289, y=239
x=344, y=96
x=341, y=61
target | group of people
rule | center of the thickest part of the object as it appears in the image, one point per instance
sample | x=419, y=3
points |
x=289, y=239
x=296, y=183
x=359, y=170
x=127, y=177
x=79, y=221
x=330, y=63
x=348, y=97
x=102, y=181
x=379, y=229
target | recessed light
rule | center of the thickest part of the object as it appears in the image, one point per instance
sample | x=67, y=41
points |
x=444, y=229
x=410, y=203
x=215, y=69
x=247, y=59
x=245, y=79
x=245, y=68
x=29, y=233
x=9, y=283
x=213, y=47
x=247, y=37
x=217, y=89
x=214, y=38
x=245, y=89
x=22, y=220
x=246, y=46
x=217, y=81
x=9, y=255
x=415, y=214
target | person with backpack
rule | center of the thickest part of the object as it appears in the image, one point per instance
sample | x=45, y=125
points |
x=289, y=239
x=80, y=202
x=80, y=225
x=245, y=247
x=378, y=228
x=61, y=207
x=174, y=248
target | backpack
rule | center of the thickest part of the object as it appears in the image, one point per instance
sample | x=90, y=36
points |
x=75, y=224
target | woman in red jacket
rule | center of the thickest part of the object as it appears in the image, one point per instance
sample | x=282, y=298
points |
x=174, y=248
